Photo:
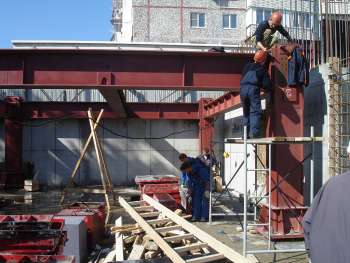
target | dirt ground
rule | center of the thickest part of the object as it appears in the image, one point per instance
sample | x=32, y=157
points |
x=223, y=229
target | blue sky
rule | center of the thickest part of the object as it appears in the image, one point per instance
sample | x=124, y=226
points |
x=54, y=20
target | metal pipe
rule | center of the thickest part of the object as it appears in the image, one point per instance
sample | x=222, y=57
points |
x=312, y=166
x=245, y=193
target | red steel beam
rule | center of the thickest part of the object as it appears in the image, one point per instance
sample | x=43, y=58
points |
x=159, y=70
x=221, y=105
x=77, y=110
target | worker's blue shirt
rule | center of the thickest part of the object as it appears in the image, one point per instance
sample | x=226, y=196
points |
x=201, y=171
x=255, y=74
x=259, y=33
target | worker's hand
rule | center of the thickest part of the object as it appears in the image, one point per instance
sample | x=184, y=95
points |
x=207, y=194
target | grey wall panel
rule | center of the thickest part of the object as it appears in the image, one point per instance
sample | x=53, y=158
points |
x=55, y=148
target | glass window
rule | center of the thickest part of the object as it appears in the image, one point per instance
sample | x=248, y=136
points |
x=233, y=21
x=295, y=20
x=197, y=20
x=229, y=21
x=307, y=21
x=259, y=15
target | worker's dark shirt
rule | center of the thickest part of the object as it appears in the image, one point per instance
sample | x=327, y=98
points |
x=255, y=74
x=327, y=222
x=259, y=33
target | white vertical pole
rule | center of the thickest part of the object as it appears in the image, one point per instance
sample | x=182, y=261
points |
x=270, y=195
x=245, y=194
x=312, y=165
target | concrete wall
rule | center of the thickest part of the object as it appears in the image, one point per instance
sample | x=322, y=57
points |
x=55, y=148
x=161, y=21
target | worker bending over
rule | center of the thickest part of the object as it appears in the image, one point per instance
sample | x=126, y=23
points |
x=198, y=184
x=326, y=222
x=264, y=37
x=254, y=76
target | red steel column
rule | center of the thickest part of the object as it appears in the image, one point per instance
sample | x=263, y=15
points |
x=13, y=175
x=286, y=118
x=206, y=127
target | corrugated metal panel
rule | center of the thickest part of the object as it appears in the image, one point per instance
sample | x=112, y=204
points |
x=11, y=92
x=169, y=95
x=95, y=96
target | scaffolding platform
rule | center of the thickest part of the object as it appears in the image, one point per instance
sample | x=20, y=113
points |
x=276, y=140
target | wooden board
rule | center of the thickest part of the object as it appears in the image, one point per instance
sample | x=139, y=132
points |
x=119, y=249
x=169, y=251
x=199, y=233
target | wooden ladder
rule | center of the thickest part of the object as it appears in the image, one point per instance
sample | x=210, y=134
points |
x=104, y=174
x=213, y=249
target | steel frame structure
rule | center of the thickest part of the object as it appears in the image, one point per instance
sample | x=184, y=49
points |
x=113, y=71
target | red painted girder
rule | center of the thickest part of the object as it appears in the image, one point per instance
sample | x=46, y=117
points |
x=221, y=104
x=127, y=70
x=77, y=110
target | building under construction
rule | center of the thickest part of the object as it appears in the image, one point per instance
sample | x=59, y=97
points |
x=91, y=133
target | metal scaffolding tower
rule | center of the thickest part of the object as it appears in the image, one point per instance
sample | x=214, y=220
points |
x=256, y=196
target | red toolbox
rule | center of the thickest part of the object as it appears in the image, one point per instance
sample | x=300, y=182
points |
x=94, y=214
x=31, y=234
x=8, y=258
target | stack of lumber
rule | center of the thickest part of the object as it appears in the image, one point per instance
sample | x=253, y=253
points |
x=136, y=244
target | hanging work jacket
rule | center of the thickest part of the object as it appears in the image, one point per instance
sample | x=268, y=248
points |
x=298, y=68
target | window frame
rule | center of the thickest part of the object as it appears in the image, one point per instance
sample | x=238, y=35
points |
x=229, y=21
x=198, y=20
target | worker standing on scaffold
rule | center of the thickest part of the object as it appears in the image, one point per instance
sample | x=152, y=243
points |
x=254, y=76
x=264, y=37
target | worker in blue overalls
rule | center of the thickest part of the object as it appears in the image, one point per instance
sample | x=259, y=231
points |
x=198, y=184
x=254, y=76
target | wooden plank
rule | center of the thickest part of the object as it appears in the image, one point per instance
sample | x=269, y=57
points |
x=164, y=220
x=167, y=228
x=145, y=208
x=170, y=252
x=136, y=252
x=199, y=233
x=158, y=221
x=190, y=247
x=209, y=258
x=77, y=165
x=110, y=257
x=119, y=249
x=137, y=203
x=150, y=214
x=179, y=237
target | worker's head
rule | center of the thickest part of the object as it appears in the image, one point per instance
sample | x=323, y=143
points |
x=206, y=150
x=348, y=150
x=275, y=19
x=186, y=167
x=182, y=157
x=260, y=56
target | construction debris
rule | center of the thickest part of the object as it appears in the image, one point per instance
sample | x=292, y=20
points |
x=165, y=233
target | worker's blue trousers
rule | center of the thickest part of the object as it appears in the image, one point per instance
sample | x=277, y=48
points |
x=200, y=204
x=251, y=103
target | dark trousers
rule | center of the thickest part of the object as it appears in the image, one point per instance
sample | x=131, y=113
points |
x=251, y=103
